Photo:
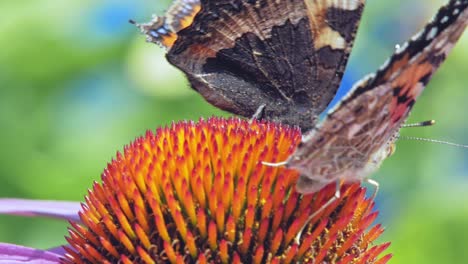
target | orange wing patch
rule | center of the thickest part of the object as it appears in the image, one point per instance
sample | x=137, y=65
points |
x=407, y=87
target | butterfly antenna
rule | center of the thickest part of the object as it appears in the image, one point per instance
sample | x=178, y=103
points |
x=420, y=124
x=258, y=114
x=434, y=141
x=335, y=197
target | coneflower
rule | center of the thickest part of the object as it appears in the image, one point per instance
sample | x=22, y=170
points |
x=198, y=193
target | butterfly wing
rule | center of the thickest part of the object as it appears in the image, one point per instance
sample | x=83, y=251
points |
x=286, y=54
x=359, y=133
x=163, y=30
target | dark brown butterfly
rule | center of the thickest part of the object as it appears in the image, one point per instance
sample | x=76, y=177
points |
x=288, y=56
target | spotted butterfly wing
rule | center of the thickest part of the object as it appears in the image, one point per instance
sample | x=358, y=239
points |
x=359, y=133
x=288, y=55
x=162, y=30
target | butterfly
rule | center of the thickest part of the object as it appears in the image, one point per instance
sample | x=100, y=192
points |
x=289, y=56
x=360, y=132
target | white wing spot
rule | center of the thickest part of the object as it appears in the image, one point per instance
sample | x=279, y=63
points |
x=346, y=5
x=401, y=48
x=444, y=19
x=385, y=65
x=415, y=37
x=432, y=33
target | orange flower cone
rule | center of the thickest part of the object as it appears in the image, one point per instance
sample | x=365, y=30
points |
x=198, y=193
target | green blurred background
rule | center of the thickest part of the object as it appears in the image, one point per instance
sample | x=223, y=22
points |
x=77, y=83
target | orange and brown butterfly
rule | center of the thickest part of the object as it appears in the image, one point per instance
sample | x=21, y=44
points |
x=286, y=55
x=360, y=132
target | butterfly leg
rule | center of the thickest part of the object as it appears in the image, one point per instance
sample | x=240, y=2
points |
x=376, y=187
x=257, y=113
x=275, y=164
x=325, y=205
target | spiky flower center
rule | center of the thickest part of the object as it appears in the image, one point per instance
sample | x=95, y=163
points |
x=198, y=193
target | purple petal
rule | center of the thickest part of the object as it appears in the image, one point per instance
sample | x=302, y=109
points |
x=13, y=254
x=58, y=250
x=56, y=209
